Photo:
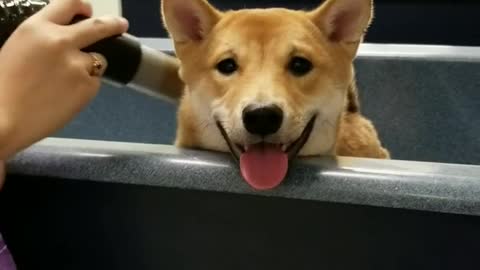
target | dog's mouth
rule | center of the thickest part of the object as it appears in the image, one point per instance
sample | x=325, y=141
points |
x=264, y=165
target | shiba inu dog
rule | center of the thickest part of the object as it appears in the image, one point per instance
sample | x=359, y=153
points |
x=271, y=84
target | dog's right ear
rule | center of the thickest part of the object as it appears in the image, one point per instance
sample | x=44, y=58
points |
x=188, y=20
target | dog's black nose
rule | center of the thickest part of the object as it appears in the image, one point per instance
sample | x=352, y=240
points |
x=262, y=121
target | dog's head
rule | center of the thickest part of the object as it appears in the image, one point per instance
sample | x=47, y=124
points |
x=272, y=82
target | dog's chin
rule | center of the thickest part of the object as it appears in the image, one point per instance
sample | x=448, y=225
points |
x=264, y=164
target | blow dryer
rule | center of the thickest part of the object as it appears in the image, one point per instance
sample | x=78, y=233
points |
x=130, y=63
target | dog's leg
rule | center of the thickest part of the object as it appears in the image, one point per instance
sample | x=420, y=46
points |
x=186, y=131
x=357, y=137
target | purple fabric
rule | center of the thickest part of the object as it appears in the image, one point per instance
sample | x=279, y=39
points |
x=6, y=260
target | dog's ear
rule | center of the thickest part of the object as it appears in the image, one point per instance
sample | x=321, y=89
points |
x=188, y=20
x=343, y=20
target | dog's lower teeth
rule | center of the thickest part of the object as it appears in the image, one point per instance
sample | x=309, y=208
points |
x=284, y=147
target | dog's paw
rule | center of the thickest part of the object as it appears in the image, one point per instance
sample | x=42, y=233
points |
x=357, y=137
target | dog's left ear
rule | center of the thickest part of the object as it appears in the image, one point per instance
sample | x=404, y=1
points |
x=343, y=20
x=189, y=20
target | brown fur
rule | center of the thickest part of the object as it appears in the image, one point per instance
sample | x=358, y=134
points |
x=261, y=41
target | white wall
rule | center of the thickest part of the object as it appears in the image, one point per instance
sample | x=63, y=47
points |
x=102, y=7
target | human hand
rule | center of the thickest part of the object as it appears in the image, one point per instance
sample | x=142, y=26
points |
x=45, y=80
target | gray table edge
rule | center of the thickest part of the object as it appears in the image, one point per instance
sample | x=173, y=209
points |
x=376, y=51
x=424, y=186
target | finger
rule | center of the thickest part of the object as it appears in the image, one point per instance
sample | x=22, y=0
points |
x=90, y=31
x=95, y=64
x=63, y=11
x=88, y=78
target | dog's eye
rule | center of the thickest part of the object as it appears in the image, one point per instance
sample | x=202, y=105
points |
x=299, y=66
x=227, y=66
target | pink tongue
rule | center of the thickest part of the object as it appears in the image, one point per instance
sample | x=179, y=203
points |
x=264, y=166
